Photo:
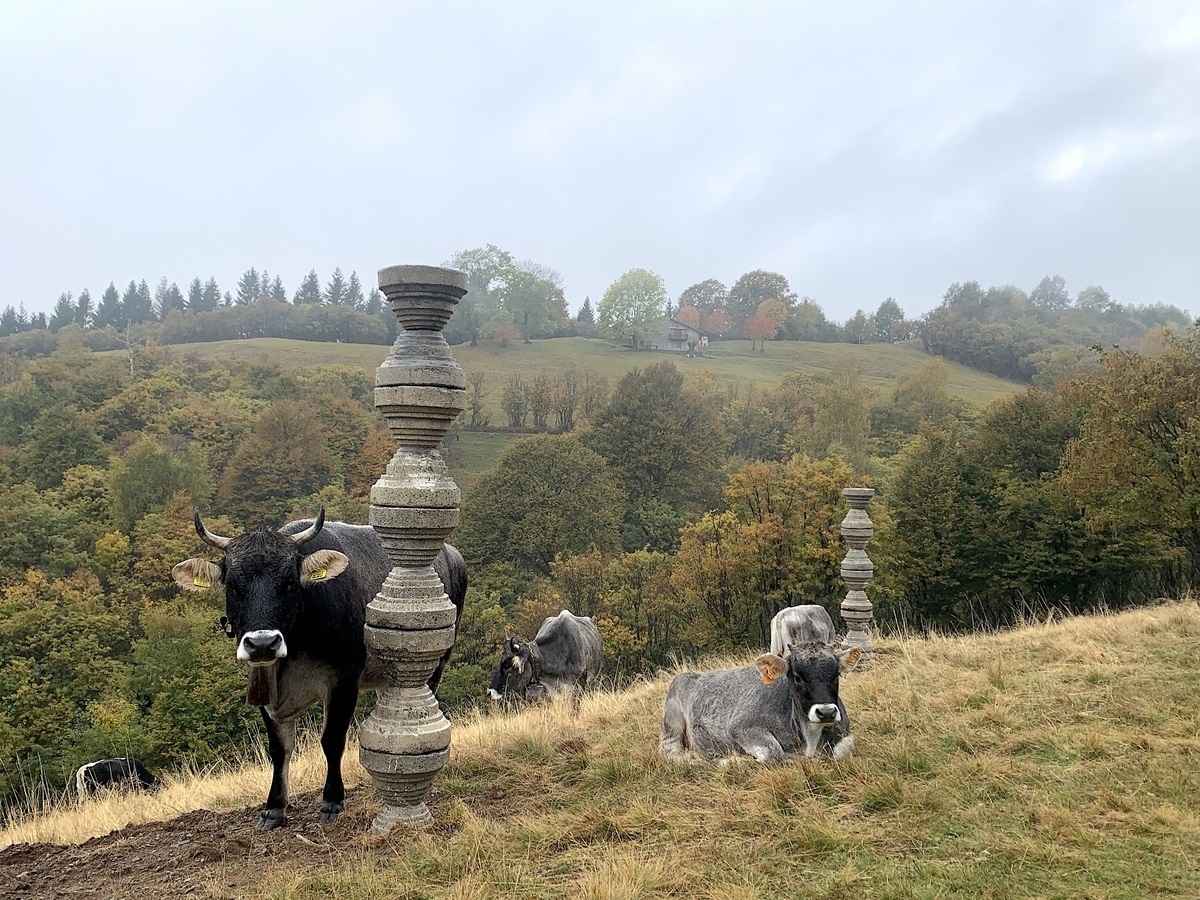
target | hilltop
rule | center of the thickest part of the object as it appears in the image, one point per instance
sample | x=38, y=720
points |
x=1054, y=760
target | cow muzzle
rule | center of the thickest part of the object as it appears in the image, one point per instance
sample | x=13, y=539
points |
x=261, y=648
x=824, y=714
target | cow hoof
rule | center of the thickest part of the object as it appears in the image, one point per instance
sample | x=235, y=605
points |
x=270, y=819
x=330, y=811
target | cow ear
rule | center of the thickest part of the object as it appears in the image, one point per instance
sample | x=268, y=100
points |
x=196, y=574
x=849, y=658
x=771, y=667
x=322, y=565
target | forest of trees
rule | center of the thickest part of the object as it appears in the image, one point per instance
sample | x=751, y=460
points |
x=681, y=514
x=1039, y=336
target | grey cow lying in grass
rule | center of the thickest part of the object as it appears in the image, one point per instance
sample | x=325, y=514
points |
x=780, y=708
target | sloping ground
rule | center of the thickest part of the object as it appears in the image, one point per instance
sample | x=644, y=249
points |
x=1058, y=760
x=729, y=362
x=201, y=853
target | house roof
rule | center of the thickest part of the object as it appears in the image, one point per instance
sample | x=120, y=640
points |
x=685, y=325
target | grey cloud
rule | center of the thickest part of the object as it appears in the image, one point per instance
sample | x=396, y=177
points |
x=862, y=151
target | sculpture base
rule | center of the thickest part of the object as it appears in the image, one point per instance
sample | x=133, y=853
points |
x=390, y=816
x=862, y=641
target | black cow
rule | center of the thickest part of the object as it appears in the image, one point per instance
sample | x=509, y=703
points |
x=296, y=600
x=563, y=660
x=123, y=772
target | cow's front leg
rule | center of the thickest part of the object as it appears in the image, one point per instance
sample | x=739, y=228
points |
x=813, y=735
x=281, y=741
x=338, y=713
x=760, y=744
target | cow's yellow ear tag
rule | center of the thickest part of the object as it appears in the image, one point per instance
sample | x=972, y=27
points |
x=318, y=574
x=201, y=581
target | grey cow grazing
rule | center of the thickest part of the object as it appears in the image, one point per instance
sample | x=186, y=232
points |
x=295, y=601
x=563, y=660
x=775, y=710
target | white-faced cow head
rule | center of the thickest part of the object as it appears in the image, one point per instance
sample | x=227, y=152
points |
x=520, y=662
x=812, y=670
x=264, y=574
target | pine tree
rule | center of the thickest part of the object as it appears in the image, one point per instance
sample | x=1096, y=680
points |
x=137, y=303
x=39, y=322
x=309, y=290
x=8, y=321
x=227, y=299
x=212, y=296
x=83, y=309
x=373, y=306
x=354, y=293
x=22, y=318
x=195, y=297
x=247, y=287
x=166, y=298
x=174, y=301
x=276, y=292
x=335, y=291
x=586, y=313
x=110, y=310
x=64, y=311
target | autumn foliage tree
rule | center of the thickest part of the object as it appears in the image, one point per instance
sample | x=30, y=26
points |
x=663, y=440
x=1137, y=459
x=689, y=316
x=775, y=545
x=548, y=494
x=283, y=457
x=760, y=328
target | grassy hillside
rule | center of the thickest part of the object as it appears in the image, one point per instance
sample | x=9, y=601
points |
x=729, y=362
x=1058, y=760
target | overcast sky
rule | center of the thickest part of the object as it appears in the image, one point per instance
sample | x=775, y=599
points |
x=864, y=150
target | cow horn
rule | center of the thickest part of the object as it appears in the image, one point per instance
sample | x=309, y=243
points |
x=213, y=540
x=311, y=531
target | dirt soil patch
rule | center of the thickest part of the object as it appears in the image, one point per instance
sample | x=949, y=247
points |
x=200, y=854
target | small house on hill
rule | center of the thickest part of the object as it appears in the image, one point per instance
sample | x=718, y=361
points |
x=677, y=338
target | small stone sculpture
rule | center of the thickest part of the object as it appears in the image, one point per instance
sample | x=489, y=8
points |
x=857, y=570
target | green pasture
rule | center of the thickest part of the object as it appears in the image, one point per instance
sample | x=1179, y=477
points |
x=729, y=362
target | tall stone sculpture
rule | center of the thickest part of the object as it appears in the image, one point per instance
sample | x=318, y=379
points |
x=857, y=570
x=420, y=389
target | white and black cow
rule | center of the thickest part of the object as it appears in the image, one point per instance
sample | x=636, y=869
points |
x=778, y=709
x=797, y=625
x=563, y=660
x=295, y=601
x=123, y=772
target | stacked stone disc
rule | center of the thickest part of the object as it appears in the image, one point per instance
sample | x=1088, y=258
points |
x=857, y=570
x=419, y=389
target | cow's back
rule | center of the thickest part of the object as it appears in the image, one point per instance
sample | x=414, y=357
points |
x=809, y=623
x=704, y=711
x=571, y=651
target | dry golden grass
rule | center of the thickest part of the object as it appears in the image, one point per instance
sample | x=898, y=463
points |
x=1055, y=760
